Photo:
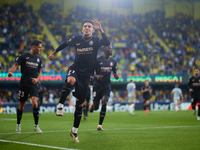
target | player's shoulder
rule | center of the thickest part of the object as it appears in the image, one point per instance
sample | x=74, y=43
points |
x=112, y=59
x=191, y=77
x=95, y=38
x=39, y=56
x=100, y=58
x=23, y=55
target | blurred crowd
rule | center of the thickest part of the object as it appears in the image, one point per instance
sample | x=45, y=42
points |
x=18, y=26
x=142, y=55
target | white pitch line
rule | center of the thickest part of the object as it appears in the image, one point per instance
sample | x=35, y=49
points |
x=8, y=119
x=109, y=129
x=39, y=145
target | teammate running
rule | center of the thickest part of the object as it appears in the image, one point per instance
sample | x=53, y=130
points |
x=194, y=88
x=146, y=90
x=102, y=84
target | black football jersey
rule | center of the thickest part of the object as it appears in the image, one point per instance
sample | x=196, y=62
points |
x=105, y=67
x=86, y=53
x=146, y=94
x=30, y=67
x=194, y=83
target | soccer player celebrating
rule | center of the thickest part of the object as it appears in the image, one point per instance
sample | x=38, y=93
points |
x=177, y=94
x=83, y=67
x=102, y=85
x=194, y=88
x=31, y=68
x=146, y=90
x=131, y=90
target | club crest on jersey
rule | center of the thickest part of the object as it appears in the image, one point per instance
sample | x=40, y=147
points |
x=38, y=60
x=111, y=64
x=27, y=57
x=91, y=43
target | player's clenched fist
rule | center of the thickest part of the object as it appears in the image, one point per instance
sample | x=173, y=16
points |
x=10, y=74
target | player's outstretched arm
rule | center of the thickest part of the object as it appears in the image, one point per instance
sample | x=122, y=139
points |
x=60, y=47
x=12, y=69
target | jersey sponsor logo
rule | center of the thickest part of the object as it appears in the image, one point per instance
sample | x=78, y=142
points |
x=196, y=84
x=87, y=50
x=32, y=64
x=91, y=43
x=106, y=69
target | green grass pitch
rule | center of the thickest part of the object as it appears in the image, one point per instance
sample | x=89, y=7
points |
x=158, y=130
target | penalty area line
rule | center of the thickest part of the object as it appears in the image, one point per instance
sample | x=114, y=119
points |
x=39, y=145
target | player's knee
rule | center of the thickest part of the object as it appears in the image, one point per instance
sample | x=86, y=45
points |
x=95, y=107
x=79, y=108
x=104, y=101
x=71, y=80
x=21, y=106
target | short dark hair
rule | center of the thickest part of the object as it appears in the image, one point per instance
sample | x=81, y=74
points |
x=88, y=21
x=36, y=42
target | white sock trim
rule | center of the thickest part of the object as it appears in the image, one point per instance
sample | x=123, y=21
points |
x=74, y=130
x=60, y=105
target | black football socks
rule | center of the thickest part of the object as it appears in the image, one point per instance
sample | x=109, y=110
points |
x=19, y=116
x=65, y=92
x=36, y=115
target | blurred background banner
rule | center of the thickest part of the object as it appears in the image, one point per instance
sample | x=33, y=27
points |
x=11, y=108
x=124, y=78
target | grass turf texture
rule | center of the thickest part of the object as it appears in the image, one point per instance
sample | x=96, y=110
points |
x=157, y=130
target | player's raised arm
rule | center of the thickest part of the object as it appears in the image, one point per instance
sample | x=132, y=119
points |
x=12, y=69
x=104, y=41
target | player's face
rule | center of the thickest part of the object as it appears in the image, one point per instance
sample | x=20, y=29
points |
x=87, y=29
x=37, y=49
x=108, y=51
x=196, y=72
x=146, y=83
